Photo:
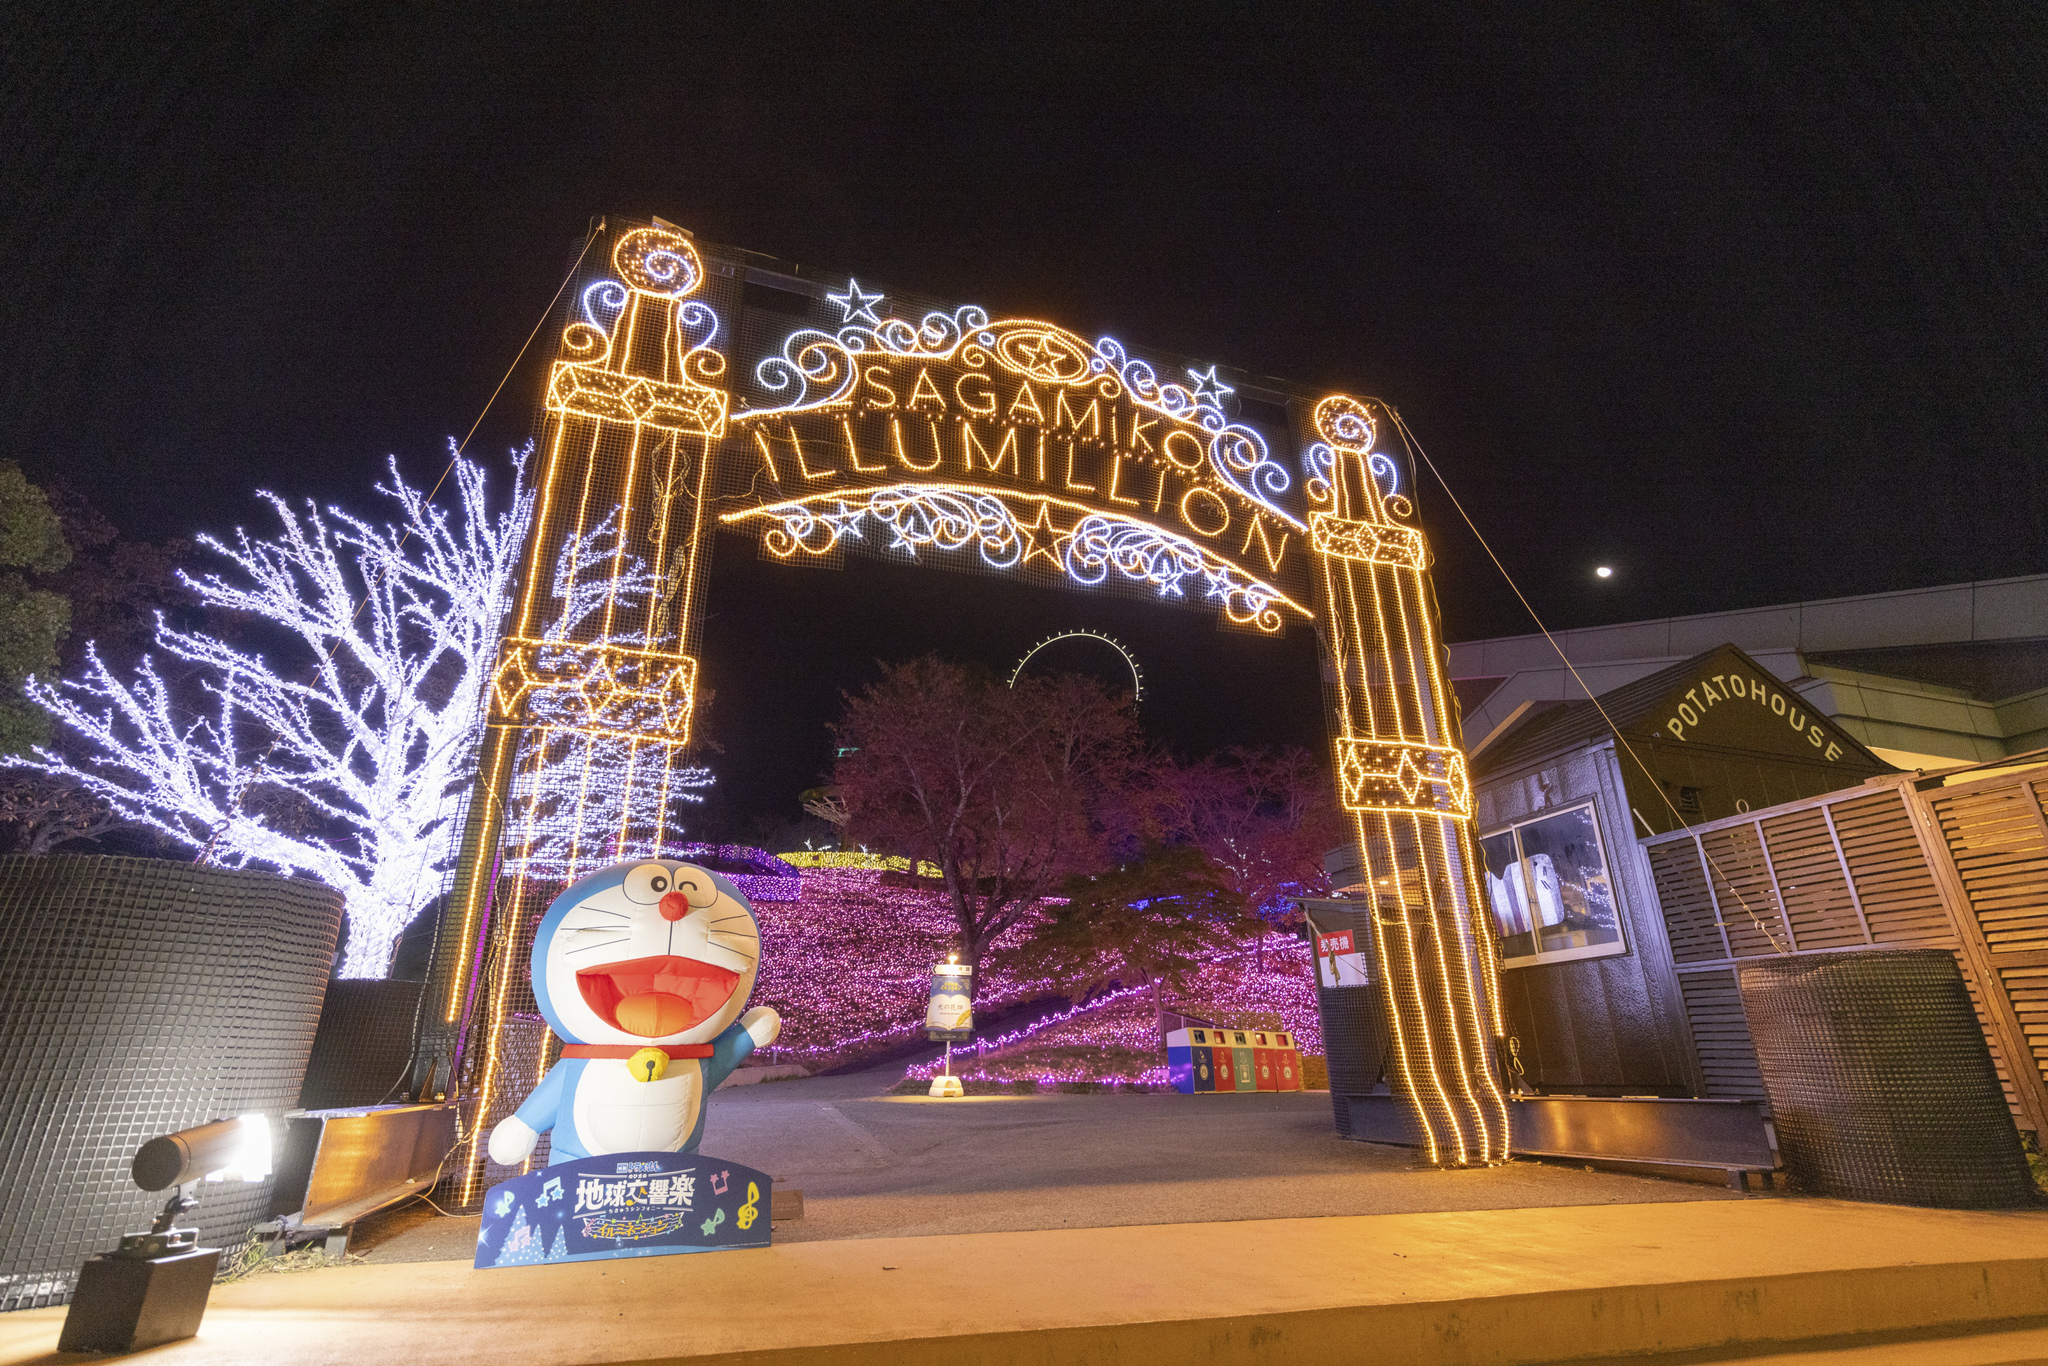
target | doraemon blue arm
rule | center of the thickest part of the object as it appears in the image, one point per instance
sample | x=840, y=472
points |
x=643, y=971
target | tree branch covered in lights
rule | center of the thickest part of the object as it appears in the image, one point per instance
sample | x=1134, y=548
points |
x=1007, y=790
x=576, y=798
x=338, y=755
x=1266, y=818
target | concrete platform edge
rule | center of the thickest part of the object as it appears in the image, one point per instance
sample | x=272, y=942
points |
x=1612, y=1323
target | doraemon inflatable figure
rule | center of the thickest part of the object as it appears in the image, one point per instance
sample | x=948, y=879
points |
x=642, y=970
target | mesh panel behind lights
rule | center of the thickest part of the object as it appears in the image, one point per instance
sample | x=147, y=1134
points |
x=1880, y=1081
x=139, y=997
x=362, y=1054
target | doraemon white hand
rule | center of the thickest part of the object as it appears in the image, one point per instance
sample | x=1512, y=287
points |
x=643, y=972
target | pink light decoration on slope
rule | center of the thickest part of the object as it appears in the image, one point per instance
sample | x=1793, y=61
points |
x=848, y=965
x=847, y=962
x=1122, y=1030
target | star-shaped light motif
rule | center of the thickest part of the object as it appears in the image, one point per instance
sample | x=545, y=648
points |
x=845, y=522
x=857, y=304
x=899, y=541
x=1208, y=388
x=1041, y=538
x=1219, y=583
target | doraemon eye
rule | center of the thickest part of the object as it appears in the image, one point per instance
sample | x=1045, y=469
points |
x=696, y=886
x=648, y=883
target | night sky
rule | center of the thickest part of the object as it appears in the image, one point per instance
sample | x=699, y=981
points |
x=1745, y=302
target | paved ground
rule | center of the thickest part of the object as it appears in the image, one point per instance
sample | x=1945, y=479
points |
x=1691, y=1282
x=876, y=1166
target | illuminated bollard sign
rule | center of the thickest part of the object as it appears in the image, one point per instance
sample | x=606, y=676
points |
x=950, y=1016
x=624, y=1205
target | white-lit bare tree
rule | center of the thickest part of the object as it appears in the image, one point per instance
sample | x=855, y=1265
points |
x=339, y=754
x=572, y=808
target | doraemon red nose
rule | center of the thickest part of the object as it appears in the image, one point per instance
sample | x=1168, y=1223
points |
x=674, y=906
x=654, y=997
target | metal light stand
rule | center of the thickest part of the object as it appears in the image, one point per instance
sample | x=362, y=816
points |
x=153, y=1288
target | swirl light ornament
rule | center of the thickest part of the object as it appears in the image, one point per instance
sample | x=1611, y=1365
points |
x=657, y=268
x=584, y=754
x=658, y=261
x=817, y=371
x=1085, y=545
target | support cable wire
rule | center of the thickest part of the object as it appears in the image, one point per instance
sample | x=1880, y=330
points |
x=1622, y=739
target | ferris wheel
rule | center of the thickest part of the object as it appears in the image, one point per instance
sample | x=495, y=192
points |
x=1137, y=674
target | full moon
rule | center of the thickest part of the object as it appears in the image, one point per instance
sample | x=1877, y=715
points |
x=1604, y=572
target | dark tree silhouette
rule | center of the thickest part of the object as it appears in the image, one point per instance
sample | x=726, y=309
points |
x=1008, y=790
x=1152, y=921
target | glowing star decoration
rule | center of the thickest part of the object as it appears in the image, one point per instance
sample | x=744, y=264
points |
x=857, y=305
x=1209, y=390
x=592, y=699
x=820, y=372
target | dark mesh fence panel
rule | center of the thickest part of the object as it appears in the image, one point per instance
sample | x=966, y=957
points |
x=139, y=997
x=1879, y=1080
x=524, y=1055
x=362, y=1054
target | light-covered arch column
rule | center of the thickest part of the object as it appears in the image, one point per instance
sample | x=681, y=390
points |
x=1403, y=777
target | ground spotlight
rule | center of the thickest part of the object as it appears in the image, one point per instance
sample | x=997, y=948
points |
x=153, y=1288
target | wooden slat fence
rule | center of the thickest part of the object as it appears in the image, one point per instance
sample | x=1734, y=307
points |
x=1901, y=862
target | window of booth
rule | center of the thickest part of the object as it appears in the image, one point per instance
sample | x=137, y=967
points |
x=1548, y=886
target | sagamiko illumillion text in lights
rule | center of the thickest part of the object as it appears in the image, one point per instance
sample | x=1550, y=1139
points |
x=1009, y=445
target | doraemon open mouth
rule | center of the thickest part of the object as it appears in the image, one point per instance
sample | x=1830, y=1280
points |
x=654, y=997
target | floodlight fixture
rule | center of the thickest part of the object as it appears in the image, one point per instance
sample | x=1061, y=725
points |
x=153, y=1288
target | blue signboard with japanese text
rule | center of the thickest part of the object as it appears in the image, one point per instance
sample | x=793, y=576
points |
x=624, y=1205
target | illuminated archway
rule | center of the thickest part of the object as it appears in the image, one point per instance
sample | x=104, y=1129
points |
x=1007, y=445
x=1137, y=674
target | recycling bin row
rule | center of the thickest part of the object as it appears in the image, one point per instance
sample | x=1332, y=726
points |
x=1209, y=1061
